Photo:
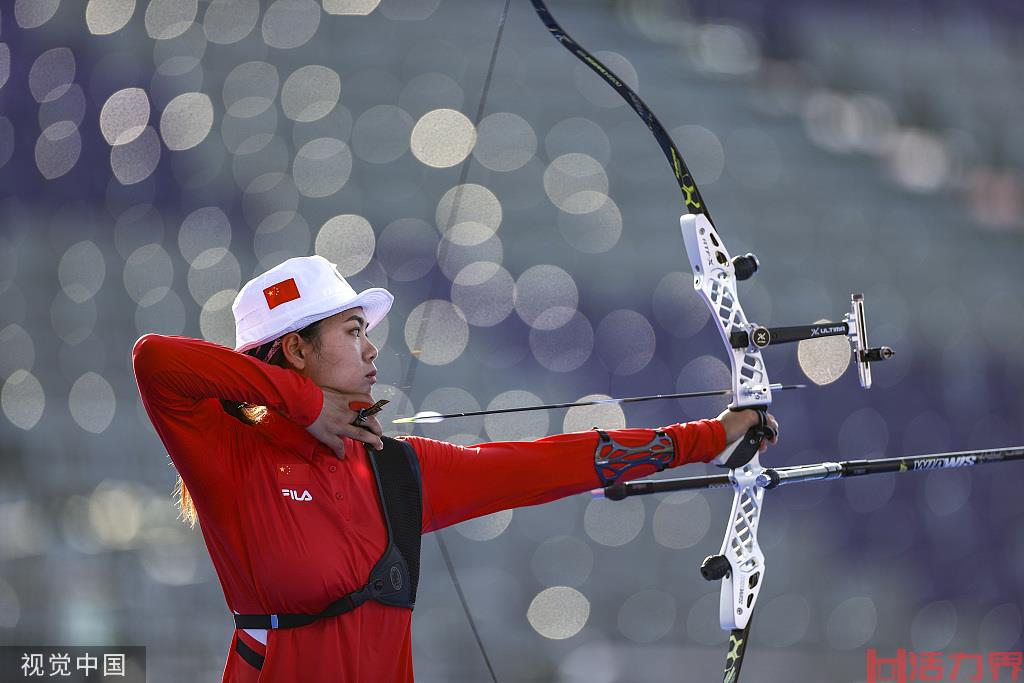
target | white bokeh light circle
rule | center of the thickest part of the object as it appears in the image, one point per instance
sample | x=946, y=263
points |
x=22, y=399
x=558, y=612
x=214, y=270
x=250, y=89
x=704, y=152
x=461, y=247
x=704, y=373
x=436, y=332
x=135, y=161
x=124, y=116
x=216, y=322
x=546, y=296
x=603, y=415
x=789, y=616
x=310, y=93
x=34, y=13
x=625, y=342
x=186, y=120
x=81, y=271
x=58, y=149
x=465, y=430
x=577, y=134
x=934, y=626
x=322, y=167
x=468, y=203
x=430, y=91
x=596, y=90
x=103, y=17
x=148, y=274
x=576, y=183
x=6, y=141
x=1001, y=627
x=592, y=232
x=205, y=228
x=281, y=236
x=92, y=403
x=181, y=56
x=353, y=7
x=505, y=142
x=676, y=308
x=852, y=623
x=19, y=349
x=409, y=10
x=647, y=616
x=442, y=138
x=73, y=322
x=165, y=317
x=562, y=561
x=681, y=520
x=166, y=19
x=407, y=249
x=614, y=523
x=69, y=107
x=523, y=426
x=268, y=194
x=347, y=240
x=289, y=24
x=5, y=64
x=137, y=226
x=228, y=21
x=484, y=292
x=564, y=348
x=487, y=527
x=381, y=134
x=52, y=74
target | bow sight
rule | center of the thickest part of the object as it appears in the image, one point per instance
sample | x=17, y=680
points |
x=709, y=258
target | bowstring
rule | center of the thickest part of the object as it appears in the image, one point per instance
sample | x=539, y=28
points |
x=410, y=374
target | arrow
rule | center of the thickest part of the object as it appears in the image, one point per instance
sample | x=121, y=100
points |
x=430, y=417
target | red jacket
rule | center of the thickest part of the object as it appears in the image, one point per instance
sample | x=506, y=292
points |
x=293, y=554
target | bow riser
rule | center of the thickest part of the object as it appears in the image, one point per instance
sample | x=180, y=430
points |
x=742, y=584
x=714, y=278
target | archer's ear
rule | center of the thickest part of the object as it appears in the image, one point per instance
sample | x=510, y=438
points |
x=295, y=350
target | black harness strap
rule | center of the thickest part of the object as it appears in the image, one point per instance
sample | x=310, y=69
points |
x=255, y=659
x=395, y=577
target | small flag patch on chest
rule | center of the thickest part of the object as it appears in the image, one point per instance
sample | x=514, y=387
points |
x=281, y=293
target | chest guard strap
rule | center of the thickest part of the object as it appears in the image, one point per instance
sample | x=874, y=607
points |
x=393, y=580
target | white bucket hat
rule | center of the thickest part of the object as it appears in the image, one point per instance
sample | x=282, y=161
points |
x=295, y=294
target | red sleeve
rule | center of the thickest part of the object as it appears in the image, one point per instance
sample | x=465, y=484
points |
x=176, y=374
x=173, y=373
x=463, y=482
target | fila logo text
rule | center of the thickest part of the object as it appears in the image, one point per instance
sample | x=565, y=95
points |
x=295, y=495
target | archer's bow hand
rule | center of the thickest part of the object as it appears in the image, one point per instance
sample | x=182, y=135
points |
x=341, y=417
x=738, y=422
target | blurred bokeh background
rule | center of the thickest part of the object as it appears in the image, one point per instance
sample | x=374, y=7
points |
x=155, y=155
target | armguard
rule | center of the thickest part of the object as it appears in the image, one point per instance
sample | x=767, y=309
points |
x=612, y=459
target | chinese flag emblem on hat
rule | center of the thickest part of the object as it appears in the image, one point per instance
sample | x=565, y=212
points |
x=281, y=293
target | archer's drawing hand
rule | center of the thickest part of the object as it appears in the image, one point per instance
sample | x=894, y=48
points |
x=337, y=419
x=737, y=423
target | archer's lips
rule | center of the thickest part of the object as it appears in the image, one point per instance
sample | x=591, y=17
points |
x=372, y=376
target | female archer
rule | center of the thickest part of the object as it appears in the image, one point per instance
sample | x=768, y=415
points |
x=311, y=516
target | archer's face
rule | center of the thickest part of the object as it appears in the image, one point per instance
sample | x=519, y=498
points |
x=346, y=355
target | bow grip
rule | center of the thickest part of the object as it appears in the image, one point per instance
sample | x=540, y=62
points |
x=742, y=450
